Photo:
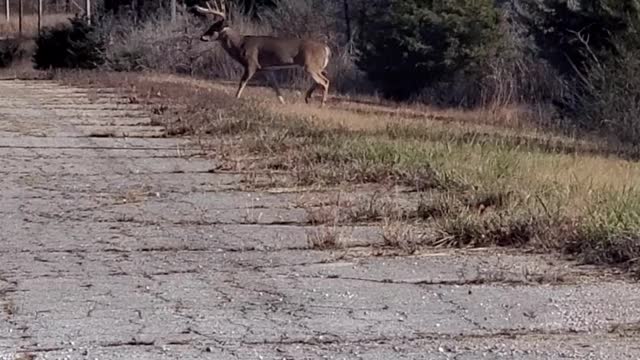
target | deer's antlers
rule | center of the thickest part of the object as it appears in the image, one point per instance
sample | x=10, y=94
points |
x=219, y=10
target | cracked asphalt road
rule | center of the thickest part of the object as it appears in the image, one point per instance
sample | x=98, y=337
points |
x=119, y=244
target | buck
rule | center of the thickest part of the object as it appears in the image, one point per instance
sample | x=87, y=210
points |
x=268, y=53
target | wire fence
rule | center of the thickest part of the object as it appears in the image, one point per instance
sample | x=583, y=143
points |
x=26, y=18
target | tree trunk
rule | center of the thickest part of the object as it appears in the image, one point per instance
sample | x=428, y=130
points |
x=347, y=21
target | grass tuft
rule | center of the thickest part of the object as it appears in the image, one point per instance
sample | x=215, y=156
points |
x=610, y=232
x=398, y=235
x=325, y=238
x=495, y=229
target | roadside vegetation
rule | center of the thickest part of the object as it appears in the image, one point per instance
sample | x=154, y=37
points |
x=471, y=184
x=505, y=125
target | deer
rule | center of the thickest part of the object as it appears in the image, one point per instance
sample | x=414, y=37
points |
x=268, y=53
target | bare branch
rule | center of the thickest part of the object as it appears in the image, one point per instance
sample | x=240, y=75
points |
x=585, y=41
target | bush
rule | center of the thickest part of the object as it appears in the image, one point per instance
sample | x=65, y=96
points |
x=607, y=96
x=74, y=45
x=593, y=45
x=562, y=29
x=408, y=44
x=10, y=51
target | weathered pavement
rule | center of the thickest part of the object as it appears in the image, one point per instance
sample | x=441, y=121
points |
x=133, y=248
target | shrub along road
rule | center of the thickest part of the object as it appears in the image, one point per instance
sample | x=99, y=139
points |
x=118, y=243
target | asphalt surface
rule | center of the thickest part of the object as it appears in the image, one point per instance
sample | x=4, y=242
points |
x=119, y=244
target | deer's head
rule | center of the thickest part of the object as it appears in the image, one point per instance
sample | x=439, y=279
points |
x=213, y=33
x=218, y=11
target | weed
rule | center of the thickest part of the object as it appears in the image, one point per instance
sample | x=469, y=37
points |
x=439, y=205
x=325, y=238
x=322, y=215
x=398, y=235
x=495, y=229
x=375, y=208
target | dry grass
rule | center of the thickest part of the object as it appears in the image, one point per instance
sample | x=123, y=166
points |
x=325, y=238
x=514, y=126
x=30, y=24
x=481, y=184
x=398, y=235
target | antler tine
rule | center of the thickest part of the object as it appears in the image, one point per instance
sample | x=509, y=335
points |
x=211, y=10
x=223, y=6
x=220, y=6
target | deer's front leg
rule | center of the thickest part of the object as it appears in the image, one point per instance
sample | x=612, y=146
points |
x=249, y=71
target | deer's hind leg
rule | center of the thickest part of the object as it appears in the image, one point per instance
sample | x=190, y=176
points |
x=307, y=96
x=320, y=80
x=274, y=85
x=326, y=87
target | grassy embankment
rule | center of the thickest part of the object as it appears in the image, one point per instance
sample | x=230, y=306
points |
x=480, y=178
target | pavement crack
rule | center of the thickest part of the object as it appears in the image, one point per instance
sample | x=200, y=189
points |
x=144, y=222
x=132, y=342
x=319, y=340
x=428, y=282
x=175, y=272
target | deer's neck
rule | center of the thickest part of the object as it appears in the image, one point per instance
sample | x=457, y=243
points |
x=232, y=43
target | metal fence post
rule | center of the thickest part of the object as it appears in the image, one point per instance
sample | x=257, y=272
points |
x=39, y=16
x=87, y=8
x=20, y=14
